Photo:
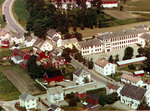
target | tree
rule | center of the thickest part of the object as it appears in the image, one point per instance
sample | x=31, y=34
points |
x=141, y=51
x=4, y=19
x=67, y=35
x=90, y=64
x=128, y=53
x=116, y=58
x=102, y=99
x=72, y=102
x=86, y=80
x=66, y=54
x=111, y=60
x=132, y=67
x=143, y=105
x=121, y=8
x=78, y=36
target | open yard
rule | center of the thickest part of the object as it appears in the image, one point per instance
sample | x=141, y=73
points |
x=21, y=80
x=137, y=5
x=20, y=12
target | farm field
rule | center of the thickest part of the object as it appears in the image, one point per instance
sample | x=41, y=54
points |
x=7, y=90
x=21, y=80
x=20, y=12
x=91, y=32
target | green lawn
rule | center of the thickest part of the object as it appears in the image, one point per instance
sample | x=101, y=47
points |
x=7, y=90
x=20, y=12
x=1, y=19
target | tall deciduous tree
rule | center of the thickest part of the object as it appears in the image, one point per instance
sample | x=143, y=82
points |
x=128, y=53
x=111, y=60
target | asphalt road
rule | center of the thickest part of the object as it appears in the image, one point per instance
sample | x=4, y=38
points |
x=12, y=24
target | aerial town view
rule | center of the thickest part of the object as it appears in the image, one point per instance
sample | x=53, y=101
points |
x=74, y=55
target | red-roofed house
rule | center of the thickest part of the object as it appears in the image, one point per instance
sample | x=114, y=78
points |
x=104, y=67
x=5, y=43
x=110, y=88
x=109, y=3
x=125, y=78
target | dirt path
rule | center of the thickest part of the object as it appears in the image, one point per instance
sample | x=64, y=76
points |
x=19, y=83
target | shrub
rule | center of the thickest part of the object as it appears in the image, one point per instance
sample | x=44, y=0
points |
x=72, y=102
x=71, y=95
x=132, y=67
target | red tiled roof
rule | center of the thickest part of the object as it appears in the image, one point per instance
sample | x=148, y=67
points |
x=101, y=62
x=130, y=78
x=112, y=86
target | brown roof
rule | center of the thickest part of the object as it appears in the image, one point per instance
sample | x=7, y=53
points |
x=18, y=52
x=130, y=78
x=102, y=62
x=133, y=92
x=112, y=86
x=148, y=81
x=38, y=43
x=51, y=32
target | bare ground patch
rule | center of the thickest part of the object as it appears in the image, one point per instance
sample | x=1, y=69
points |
x=20, y=83
x=120, y=14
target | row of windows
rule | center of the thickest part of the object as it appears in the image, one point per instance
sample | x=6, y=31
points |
x=123, y=42
x=91, y=47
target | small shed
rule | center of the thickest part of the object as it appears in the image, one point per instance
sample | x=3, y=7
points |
x=139, y=73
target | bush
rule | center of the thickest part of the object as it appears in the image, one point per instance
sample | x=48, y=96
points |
x=72, y=102
x=71, y=95
x=132, y=67
x=78, y=99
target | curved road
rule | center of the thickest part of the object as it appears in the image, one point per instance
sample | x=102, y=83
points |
x=12, y=24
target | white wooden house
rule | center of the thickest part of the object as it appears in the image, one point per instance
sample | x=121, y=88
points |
x=104, y=67
x=132, y=95
x=79, y=75
x=29, y=41
x=110, y=88
x=17, y=38
x=28, y=101
x=55, y=94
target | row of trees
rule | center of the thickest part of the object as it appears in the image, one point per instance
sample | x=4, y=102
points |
x=112, y=60
x=45, y=16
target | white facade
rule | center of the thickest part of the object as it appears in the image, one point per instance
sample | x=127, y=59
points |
x=80, y=79
x=129, y=102
x=17, y=40
x=16, y=61
x=29, y=44
x=55, y=94
x=91, y=50
x=107, y=70
x=109, y=5
x=46, y=46
x=28, y=102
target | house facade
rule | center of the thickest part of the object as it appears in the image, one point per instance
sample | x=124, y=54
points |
x=104, y=67
x=125, y=78
x=123, y=39
x=68, y=43
x=109, y=3
x=28, y=101
x=53, y=77
x=79, y=75
x=139, y=73
x=29, y=41
x=55, y=94
x=90, y=47
x=17, y=38
x=132, y=95
x=92, y=98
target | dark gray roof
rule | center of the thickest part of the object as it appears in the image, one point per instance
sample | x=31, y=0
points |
x=28, y=38
x=94, y=42
x=78, y=72
x=141, y=26
x=93, y=96
x=55, y=39
x=26, y=96
x=53, y=106
x=133, y=92
x=18, y=58
x=51, y=32
x=122, y=34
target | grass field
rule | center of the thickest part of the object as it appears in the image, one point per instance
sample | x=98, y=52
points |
x=1, y=19
x=20, y=12
x=5, y=52
x=7, y=90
